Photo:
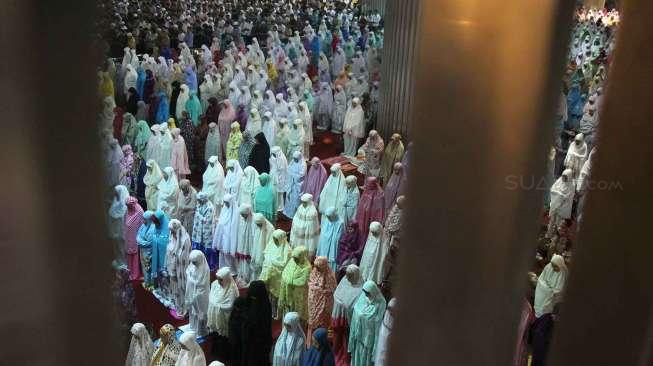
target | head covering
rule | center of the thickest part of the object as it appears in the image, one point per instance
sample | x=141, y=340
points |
x=334, y=192
x=321, y=284
x=381, y=357
x=365, y=323
x=258, y=325
x=290, y=344
x=316, y=178
x=395, y=186
x=322, y=356
x=191, y=353
x=221, y=301
x=348, y=290
x=259, y=156
x=118, y=207
x=141, y=347
x=550, y=286
x=370, y=207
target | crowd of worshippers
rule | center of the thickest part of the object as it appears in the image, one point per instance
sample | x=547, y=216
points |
x=254, y=113
x=570, y=160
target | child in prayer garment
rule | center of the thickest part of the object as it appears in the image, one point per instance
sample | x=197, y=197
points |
x=348, y=290
x=296, y=174
x=178, y=251
x=305, y=229
x=321, y=285
x=373, y=255
x=291, y=343
x=258, y=326
x=293, y=294
x=191, y=353
x=381, y=356
x=316, y=178
x=245, y=242
x=221, y=299
x=319, y=354
x=202, y=236
x=265, y=198
x=141, y=347
x=365, y=322
x=276, y=257
x=186, y=204
x=169, y=348
x=330, y=232
x=263, y=230
x=197, y=292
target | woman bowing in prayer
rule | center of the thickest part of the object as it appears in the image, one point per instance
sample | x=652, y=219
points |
x=321, y=284
x=168, y=192
x=186, y=204
x=221, y=300
x=296, y=174
x=291, y=343
x=381, y=356
x=234, y=141
x=293, y=294
x=345, y=296
x=276, y=256
x=373, y=255
x=373, y=148
x=305, y=230
x=265, y=199
x=202, y=235
x=319, y=354
x=365, y=322
x=197, y=292
x=257, y=336
x=354, y=128
x=370, y=207
x=259, y=157
x=191, y=353
x=141, y=347
x=263, y=230
x=330, y=232
x=392, y=154
x=179, y=248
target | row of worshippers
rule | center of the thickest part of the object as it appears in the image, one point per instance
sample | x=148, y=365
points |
x=577, y=122
x=576, y=125
x=356, y=311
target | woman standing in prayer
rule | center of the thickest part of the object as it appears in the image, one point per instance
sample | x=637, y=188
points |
x=141, y=140
x=263, y=230
x=141, y=347
x=293, y=294
x=197, y=292
x=296, y=138
x=370, y=207
x=319, y=354
x=202, y=237
x=291, y=343
x=576, y=156
x=296, y=174
x=168, y=189
x=154, y=143
x=248, y=185
x=225, y=238
x=348, y=291
x=233, y=179
x=194, y=108
x=114, y=158
x=160, y=240
x=394, y=187
x=212, y=147
x=258, y=326
x=550, y=286
x=152, y=178
x=179, y=247
x=305, y=230
x=133, y=222
x=259, y=157
x=351, y=201
x=334, y=192
x=221, y=300
x=144, y=239
x=116, y=224
x=349, y=247
x=321, y=284
x=339, y=110
x=269, y=128
x=245, y=149
x=391, y=238
x=353, y=127
x=169, y=348
x=279, y=175
x=254, y=123
x=330, y=232
x=265, y=199
x=225, y=124
x=373, y=148
x=186, y=204
x=325, y=107
x=373, y=255
x=316, y=178
x=391, y=155
x=127, y=167
x=307, y=120
x=191, y=353
x=129, y=129
x=365, y=322
x=182, y=99
x=281, y=137
x=233, y=144
x=562, y=201
x=245, y=242
x=213, y=182
x=165, y=156
x=381, y=356
x=276, y=256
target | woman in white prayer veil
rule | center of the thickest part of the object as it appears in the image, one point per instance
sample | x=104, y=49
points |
x=297, y=138
x=225, y=235
x=254, y=123
x=279, y=174
x=550, y=286
x=141, y=347
x=234, y=93
x=305, y=115
x=117, y=213
x=269, y=102
x=291, y=343
x=263, y=230
x=213, y=143
x=182, y=99
x=191, y=353
x=151, y=179
x=257, y=101
x=165, y=154
x=305, y=229
x=562, y=201
x=354, y=127
x=576, y=155
x=269, y=128
x=582, y=184
x=177, y=254
x=373, y=255
x=281, y=108
x=197, y=291
x=221, y=300
x=130, y=79
x=206, y=89
x=154, y=143
x=213, y=182
x=381, y=356
x=348, y=290
x=262, y=83
x=245, y=243
x=248, y=185
x=334, y=192
x=339, y=109
x=233, y=179
x=168, y=189
x=245, y=97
